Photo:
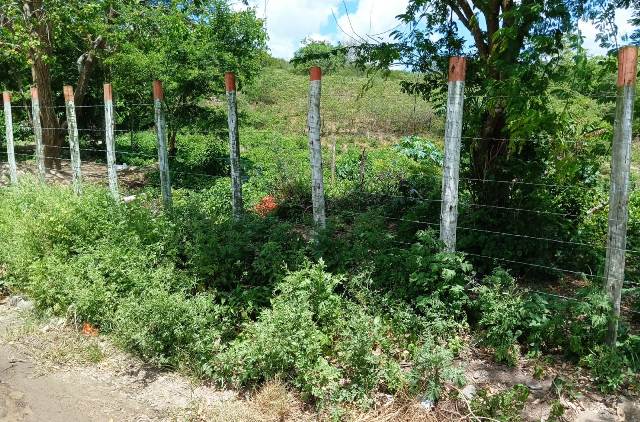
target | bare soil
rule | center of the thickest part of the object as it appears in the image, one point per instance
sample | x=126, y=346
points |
x=49, y=371
x=93, y=172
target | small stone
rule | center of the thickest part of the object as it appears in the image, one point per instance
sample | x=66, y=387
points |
x=128, y=199
x=469, y=391
x=534, y=386
x=480, y=375
x=427, y=404
x=24, y=305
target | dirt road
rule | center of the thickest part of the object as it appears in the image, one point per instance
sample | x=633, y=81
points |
x=49, y=372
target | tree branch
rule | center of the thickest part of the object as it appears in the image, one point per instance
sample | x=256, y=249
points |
x=464, y=12
x=86, y=63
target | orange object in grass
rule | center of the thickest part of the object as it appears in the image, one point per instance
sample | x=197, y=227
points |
x=89, y=330
x=266, y=206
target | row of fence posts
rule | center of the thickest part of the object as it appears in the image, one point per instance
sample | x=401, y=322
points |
x=620, y=173
x=161, y=138
x=620, y=163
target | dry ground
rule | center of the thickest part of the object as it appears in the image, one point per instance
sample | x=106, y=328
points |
x=49, y=371
x=92, y=172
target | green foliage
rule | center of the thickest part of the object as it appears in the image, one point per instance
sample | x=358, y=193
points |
x=505, y=406
x=171, y=329
x=610, y=367
x=557, y=411
x=502, y=310
x=433, y=366
x=420, y=149
x=188, y=46
x=330, y=348
x=438, y=279
x=319, y=53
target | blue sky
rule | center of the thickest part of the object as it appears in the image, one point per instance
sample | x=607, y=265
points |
x=290, y=21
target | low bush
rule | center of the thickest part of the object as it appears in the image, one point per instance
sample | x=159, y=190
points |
x=171, y=329
x=501, y=308
x=505, y=406
x=331, y=348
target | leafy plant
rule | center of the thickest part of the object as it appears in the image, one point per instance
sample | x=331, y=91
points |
x=504, y=406
x=502, y=309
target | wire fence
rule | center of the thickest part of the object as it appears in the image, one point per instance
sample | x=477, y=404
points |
x=95, y=168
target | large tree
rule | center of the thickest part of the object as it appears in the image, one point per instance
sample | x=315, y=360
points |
x=513, y=47
x=49, y=39
x=186, y=43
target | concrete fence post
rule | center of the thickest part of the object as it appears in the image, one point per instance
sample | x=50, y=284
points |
x=452, y=143
x=37, y=133
x=619, y=193
x=315, y=148
x=110, y=141
x=74, y=142
x=8, y=122
x=161, y=136
x=234, y=145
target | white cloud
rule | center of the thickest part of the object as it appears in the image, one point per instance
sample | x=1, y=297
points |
x=372, y=18
x=290, y=21
x=589, y=31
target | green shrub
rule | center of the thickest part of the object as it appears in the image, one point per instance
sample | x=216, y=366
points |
x=433, y=367
x=330, y=347
x=171, y=329
x=505, y=406
x=438, y=279
x=610, y=368
x=502, y=309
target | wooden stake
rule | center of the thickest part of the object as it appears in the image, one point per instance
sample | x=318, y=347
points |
x=234, y=146
x=452, y=142
x=315, y=148
x=8, y=121
x=619, y=193
x=110, y=141
x=74, y=142
x=37, y=133
x=161, y=135
x=363, y=166
x=333, y=161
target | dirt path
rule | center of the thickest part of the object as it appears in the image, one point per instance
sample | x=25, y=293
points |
x=93, y=172
x=49, y=372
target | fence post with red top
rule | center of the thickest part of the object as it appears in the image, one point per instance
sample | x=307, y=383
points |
x=110, y=141
x=74, y=143
x=315, y=148
x=619, y=191
x=452, y=144
x=37, y=132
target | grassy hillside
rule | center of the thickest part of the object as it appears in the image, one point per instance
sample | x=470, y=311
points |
x=277, y=99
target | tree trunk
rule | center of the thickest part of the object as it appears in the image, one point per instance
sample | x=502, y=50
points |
x=52, y=131
x=173, y=148
x=488, y=154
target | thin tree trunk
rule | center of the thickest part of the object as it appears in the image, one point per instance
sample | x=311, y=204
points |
x=52, y=131
x=487, y=154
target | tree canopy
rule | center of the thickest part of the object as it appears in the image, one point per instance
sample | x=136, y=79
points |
x=187, y=44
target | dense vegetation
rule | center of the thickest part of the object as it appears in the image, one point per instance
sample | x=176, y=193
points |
x=371, y=304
